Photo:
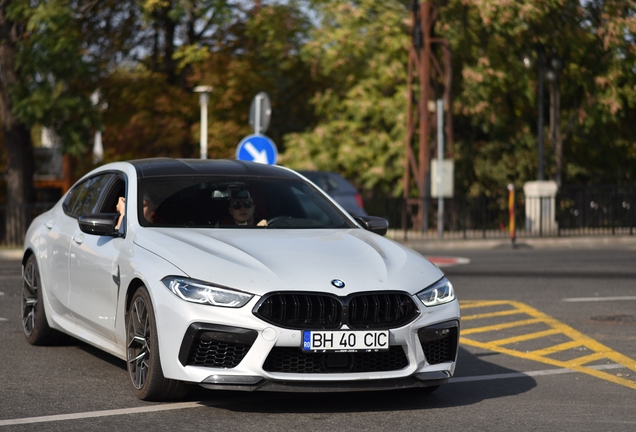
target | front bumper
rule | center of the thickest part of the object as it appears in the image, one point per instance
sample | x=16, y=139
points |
x=224, y=348
x=424, y=379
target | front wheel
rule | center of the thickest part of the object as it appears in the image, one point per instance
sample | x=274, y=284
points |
x=142, y=353
x=36, y=328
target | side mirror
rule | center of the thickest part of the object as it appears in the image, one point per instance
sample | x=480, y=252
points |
x=374, y=224
x=102, y=224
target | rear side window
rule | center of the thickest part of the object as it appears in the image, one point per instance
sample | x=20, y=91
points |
x=85, y=197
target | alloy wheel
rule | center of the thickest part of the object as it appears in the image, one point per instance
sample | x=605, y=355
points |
x=138, y=348
x=30, y=287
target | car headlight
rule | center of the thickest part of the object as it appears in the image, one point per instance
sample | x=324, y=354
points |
x=204, y=293
x=439, y=293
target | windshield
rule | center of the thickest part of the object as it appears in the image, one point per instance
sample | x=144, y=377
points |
x=235, y=202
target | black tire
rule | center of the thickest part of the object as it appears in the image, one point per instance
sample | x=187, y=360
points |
x=142, y=353
x=34, y=323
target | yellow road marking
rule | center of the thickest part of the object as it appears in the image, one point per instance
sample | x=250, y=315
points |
x=524, y=337
x=513, y=324
x=557, y=348
x=578, y=339
x=490, y=315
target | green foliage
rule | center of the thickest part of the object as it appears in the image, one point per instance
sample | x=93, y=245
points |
x=152, y=113
x=495, y=98
x=146, y=117
x=55, y=80
x=336, y=72
x=360, y=53
x=257, y=53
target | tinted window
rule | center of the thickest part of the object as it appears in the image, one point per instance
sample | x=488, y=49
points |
x=84, y=198
x=205, y=202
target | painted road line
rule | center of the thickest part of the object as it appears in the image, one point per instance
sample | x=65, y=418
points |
x=529, y=316
x=447, y=261
x=528, y=374
x=106, y=413
x=4, y=319
x=186, y=405
x=598, y=299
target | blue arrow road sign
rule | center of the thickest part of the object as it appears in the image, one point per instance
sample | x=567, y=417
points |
x=257, y=148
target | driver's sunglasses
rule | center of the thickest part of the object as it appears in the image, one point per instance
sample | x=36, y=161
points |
x=236, y=205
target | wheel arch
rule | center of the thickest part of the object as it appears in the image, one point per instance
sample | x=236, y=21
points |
x=27, y=254
x=133, y=286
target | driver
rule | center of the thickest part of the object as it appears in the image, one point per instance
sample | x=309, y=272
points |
x=121, y=209
x=242, y=209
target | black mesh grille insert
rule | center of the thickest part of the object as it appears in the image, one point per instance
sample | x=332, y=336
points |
x=217, y=354
x=307, y=311
x=213, y=345
x=439, y=342
x=301, y=311
x=294, y=360
x=381, y=310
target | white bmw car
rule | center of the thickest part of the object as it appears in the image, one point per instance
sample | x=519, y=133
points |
x=234, y=275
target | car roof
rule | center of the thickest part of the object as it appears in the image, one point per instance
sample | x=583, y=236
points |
x=166, y=167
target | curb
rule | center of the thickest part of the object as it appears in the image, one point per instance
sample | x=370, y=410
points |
x=10, y=254
x=589, y=242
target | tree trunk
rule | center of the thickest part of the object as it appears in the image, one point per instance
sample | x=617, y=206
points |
x=17, y=139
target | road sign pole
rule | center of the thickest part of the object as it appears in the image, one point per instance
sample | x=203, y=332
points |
x=257, y=114
x=440, y=159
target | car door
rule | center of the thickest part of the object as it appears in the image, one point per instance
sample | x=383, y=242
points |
x=93, y=271
x=82, y=198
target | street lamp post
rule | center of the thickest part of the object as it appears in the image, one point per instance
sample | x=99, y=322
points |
x=204, y=97
x=540, y=175
x=552, y=75
x=528, y=63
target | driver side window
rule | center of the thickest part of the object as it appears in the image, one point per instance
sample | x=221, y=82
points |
x=85, y=197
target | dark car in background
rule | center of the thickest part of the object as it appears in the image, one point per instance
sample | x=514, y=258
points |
x=343, y=192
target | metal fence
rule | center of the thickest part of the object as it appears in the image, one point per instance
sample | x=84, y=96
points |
x=575, y=211
x=14, y=221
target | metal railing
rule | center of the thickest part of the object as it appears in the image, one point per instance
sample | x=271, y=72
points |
x=14, y=221
x=575, y=211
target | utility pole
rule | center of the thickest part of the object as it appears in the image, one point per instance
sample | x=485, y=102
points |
x=428, y=79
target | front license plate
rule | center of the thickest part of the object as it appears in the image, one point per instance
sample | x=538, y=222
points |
x=345, y=341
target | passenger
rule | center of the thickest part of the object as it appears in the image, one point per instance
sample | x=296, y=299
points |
x=242, y=210
x=121, y=209
x=149, y=208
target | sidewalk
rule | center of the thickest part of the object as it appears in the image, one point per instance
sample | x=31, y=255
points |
x=10, y=254
x=587, y=242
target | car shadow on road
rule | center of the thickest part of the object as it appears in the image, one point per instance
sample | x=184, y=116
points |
x=449, y=395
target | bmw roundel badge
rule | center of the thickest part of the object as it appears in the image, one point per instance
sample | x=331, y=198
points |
x=338, y=283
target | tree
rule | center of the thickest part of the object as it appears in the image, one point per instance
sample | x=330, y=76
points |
x=16, y=135
x=152, y=112
x=359, y=52
x=52, y=54
x=258, y=53
x=178, y=33
x=360, y=47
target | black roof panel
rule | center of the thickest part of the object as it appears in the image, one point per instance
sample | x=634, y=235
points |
x=165, y=167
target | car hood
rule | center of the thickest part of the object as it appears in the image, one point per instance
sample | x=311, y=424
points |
x=260, y=261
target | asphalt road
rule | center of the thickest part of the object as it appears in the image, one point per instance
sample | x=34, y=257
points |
x=581, y=299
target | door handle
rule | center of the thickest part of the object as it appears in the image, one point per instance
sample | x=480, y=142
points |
x=49, y=224
x=78, y=238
